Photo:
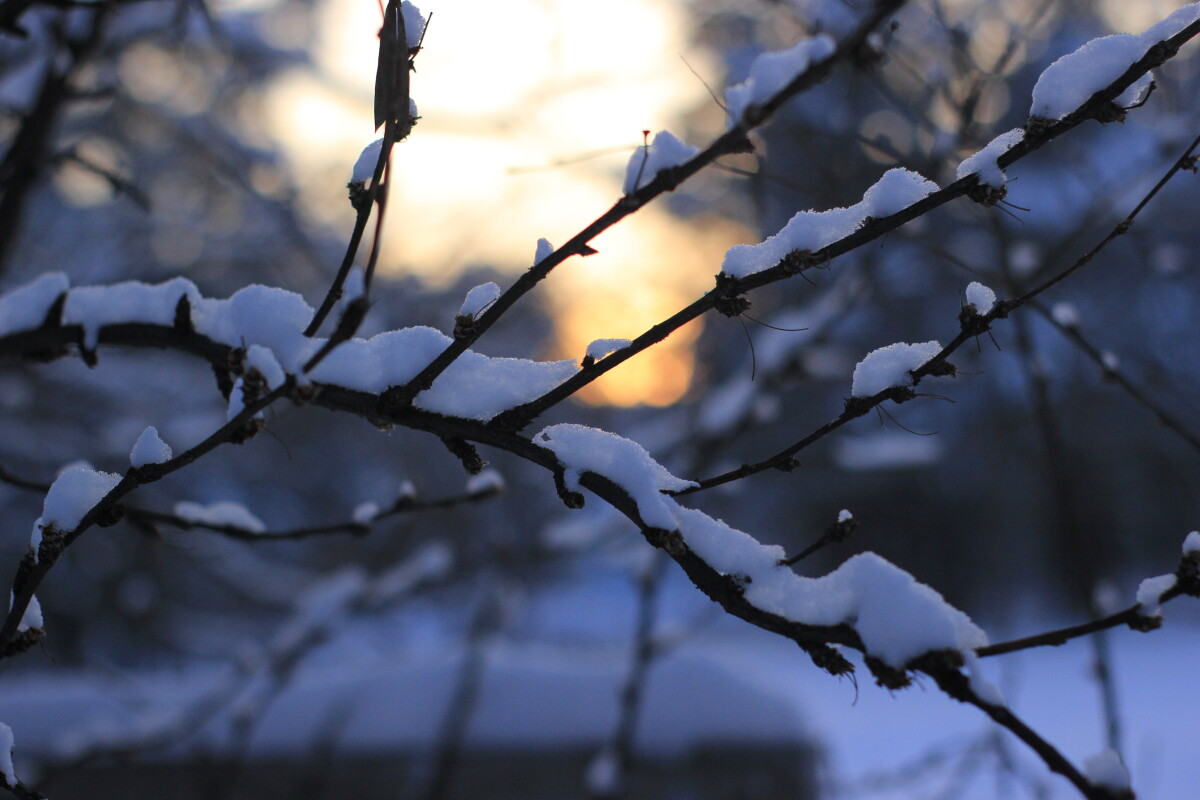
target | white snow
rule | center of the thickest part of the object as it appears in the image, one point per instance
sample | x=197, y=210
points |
x=890, y=366
x=984, y=163
x=478, y=299
x=623, y=461
x=365, y=513
x=368, y=159
x=237, y=400
x=603, y=776
x=26, y=307
x=474, y=386
x=1071, y=80
x=981, y=297
x=886, y=450
x=599, y=348
x=1110, y=360
x=844, y=515
x=542, y=251
x=487, y=481
x=664, y=152
x=131, y=301
x=407, y=490
x=149, y=449
x=264, y=362
x=32, y=618
x=897, y=618
x=1191, y=545
x=35, y=538
x=224, y=512
x=1106, y=769
x=414, y=24
x=1065, y=314
x=6, y=759
x=73, y=494
x=771, y=72
x=1149, y=593
x=897, y=189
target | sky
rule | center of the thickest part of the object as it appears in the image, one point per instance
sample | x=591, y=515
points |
x=529, y=111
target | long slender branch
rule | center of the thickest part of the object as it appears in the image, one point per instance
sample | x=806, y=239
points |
x=970, y=327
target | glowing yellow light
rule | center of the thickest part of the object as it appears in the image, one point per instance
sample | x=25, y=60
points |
x=500, y=88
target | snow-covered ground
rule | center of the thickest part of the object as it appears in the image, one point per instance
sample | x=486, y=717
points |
x=727, y=683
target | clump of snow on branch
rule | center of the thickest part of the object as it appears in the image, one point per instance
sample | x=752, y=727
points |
x=599, y=348
x=365, y=513
x=487, y=481
x=26, y=307
x=897, y=617
x=1106, y=769
x=478, y=299
x=149, y=449
x=891, y=366
x=984, y=163
x=980, y=297
x=414, y=24
x=1150, y=592
x=771, y=72
x=263, y=361
x=1191, y=544
x=474, y=386
x=270, y=323
x=32, y=618
x=664, y=152
x=844, y=515
x=368, y=159
x=1068, y=83
x=886, y=450
x=624, y=462
x=542, y=251
x=897, y=189
x=73, y=494
x=131, y=301
x=222, y=513
x=7, y=770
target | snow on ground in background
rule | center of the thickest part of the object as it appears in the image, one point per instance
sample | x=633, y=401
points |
x=728, y=681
